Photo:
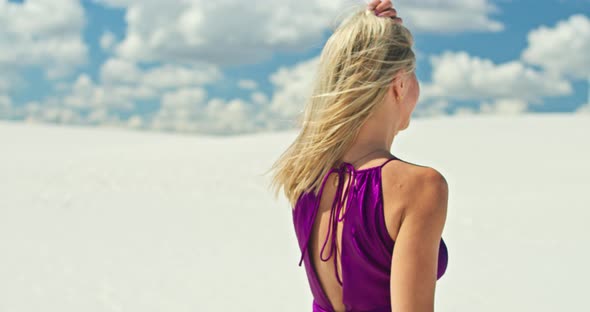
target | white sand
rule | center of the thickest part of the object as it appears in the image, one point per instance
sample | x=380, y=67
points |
x=114, y=220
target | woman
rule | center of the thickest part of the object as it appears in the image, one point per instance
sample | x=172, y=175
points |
x=364, y=93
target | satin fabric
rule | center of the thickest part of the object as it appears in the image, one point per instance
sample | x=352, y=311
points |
x=366, y=249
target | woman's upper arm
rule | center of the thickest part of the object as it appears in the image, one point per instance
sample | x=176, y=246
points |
x=414, y=264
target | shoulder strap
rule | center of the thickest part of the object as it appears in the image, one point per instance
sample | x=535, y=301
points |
x=383, y=164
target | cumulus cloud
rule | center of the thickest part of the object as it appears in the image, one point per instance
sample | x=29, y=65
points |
x=449, y=15
x=160, y=59
x=562, y=49
x=230, y=116
x=462, y=111
x=292, y=88
x=259, y=98
x=42, y=33
x=186, y=110
x=190, y=110
x=192, y=30
x=135, y=122
x=186, y=31
x=107, y=40
x=184, y=105
x=458, y=75
x=85, y=93
x=4, y=83
x=181, y=110
x=53, y=111
x=584, y=108
x=123, y=84
x=120, y=71
x=49, y=112
x=184, y=100
x=247, y=84
x=5, y=106
x=506, y=88
x=504, y=107
x=432, y=108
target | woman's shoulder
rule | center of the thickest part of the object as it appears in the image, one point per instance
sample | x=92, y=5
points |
x=412, y=174
x=410, y=184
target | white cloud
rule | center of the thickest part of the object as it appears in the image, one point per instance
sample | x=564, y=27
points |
x=120, y=71
x=5, y=106
x=5, y=102
x=189, y=110
x=232, y=116
x=259, y=98
x=563, y=49
x=87, y=94
x=98, y=115
x=184, y=102
x=122, y=86
x=50, y=112
x=465, y=111
x=189, y=31
x=458, y=75
x=181, y=110
x=292, y=88
x=449, y=15
x=179, y=89
x=431, y=108
x=186, y=111
x=196, y=30
x=136, y=122
x=584, y=108
x=85, y=102
x=173, y=76
x=504, y=107
x=107, y=40
x=44, y=33
x=247, y=84
x=506, y=88
x=5, y=82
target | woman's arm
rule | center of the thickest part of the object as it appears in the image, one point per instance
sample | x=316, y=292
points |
x=414, y=264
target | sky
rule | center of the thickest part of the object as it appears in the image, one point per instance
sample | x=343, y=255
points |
x=230, y=66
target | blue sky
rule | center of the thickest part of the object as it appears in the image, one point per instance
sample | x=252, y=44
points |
x=117, y=61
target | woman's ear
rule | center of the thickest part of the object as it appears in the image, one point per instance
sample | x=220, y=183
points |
x=397, y=87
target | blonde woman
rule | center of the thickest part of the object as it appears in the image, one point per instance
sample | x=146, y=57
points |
x=369, y=224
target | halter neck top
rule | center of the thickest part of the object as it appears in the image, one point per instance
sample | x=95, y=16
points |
x=366, y=249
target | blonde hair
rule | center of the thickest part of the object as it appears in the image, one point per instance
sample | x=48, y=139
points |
x=357, y=64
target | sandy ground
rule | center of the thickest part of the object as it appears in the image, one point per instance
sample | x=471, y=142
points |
x=112, y=220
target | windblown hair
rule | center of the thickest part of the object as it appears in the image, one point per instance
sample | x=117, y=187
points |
x=356, y=66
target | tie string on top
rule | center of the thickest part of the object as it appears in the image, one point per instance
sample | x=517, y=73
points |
x=335, y=210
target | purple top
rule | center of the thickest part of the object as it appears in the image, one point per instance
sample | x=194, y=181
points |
x=366, y=247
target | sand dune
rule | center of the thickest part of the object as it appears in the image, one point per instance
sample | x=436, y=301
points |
x=115, y=220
